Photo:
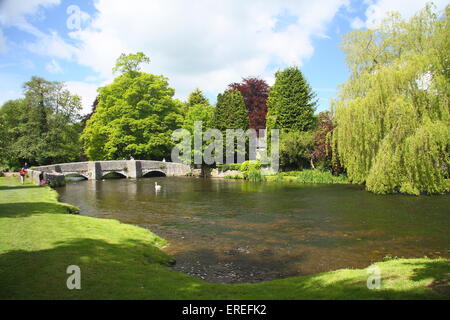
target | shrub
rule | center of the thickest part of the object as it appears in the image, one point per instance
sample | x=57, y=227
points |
x=234, y=176
x=296, y=148
x=231, y=166
x=310, y=176
x=251, y=170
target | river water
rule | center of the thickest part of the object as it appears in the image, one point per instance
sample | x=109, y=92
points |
x=230, y=231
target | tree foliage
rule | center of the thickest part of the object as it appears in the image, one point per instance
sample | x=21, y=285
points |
x=322, y=156
x=205, y=114
x=392, y=115
x=130, y=62
x=41, y=128
x=255, y=93
x=230, y=112
x=134, y=117
x=291, y=102
x=196, y=97
x=296, y=148
x=199, y=112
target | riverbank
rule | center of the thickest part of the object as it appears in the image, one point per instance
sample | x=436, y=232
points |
x=39, y=240
x=253, y=171
x=309, y=176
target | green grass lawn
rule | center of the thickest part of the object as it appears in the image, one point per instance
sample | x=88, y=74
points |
x=39, y=240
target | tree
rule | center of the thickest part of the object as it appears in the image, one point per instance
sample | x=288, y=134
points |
x=196, y=97
x=205, y=114
x=12, y=122
x=322, y=155
x=296, y=148
x=255, y=93
x=135, y=117
x=230, y=112
x=41, y=128
x=199, y=112
x=130, y=62
x=392, y=115
x=3, y=142
x=291, y=102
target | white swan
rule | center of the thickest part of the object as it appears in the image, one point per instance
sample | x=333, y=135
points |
x=157, y=186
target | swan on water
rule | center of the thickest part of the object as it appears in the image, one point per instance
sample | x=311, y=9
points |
x=157, y=186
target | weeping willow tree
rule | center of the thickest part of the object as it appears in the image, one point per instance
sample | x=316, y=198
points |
x=392, y=115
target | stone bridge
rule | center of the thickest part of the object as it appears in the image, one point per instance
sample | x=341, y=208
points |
x=96, y=170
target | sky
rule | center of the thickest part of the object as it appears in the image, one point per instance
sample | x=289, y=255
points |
x=204, y=44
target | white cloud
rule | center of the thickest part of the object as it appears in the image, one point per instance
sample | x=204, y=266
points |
x=377, y=10
x=197, y=43
x=14, y=13
x=53, y=67
x=357, y=23
x=52, y=45
x=87, y=92
x=91, y=78
x=76, y=17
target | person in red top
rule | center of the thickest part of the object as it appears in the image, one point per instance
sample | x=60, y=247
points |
x=22, y=174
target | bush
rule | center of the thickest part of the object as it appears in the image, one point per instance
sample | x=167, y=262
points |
x=310, y=176
x=234, y=176
x=296, y=148
x=251, y=170
x=227, y=167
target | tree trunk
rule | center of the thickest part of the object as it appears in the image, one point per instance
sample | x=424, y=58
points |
x=311, y=162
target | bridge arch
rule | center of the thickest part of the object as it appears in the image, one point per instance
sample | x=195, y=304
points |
x=75, y=175
x=113, y=175
x=154, y=173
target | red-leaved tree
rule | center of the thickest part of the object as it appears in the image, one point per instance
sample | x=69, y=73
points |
x=255, y=92
x=322, y=143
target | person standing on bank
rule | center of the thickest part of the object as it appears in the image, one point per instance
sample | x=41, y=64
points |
x=22, y=174
x=41, y=179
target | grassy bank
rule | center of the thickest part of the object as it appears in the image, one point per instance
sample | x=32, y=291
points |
x=39, y=240
x=305, y=176
x=252, y=170
x=308, y=176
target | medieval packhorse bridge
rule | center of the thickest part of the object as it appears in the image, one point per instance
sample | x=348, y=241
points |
x=96, y=170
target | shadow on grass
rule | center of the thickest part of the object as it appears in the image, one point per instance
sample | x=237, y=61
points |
x=430, y=270
x=441, y=285
x=134, y=269
x=108, y=271
x=24, y=209
x=18, y=186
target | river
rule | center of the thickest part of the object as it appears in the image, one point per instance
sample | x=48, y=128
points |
x=231, y=231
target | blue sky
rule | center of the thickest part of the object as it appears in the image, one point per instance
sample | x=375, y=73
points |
x=193, y=43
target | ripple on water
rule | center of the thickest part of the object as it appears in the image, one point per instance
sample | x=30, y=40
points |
x=236, y=231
